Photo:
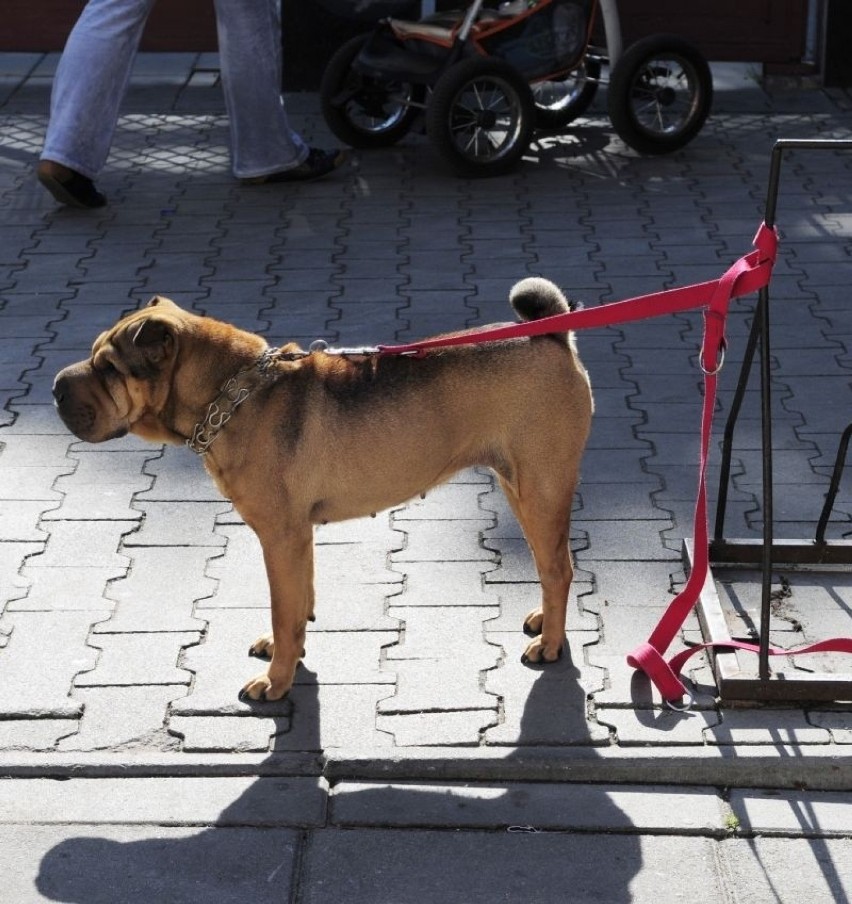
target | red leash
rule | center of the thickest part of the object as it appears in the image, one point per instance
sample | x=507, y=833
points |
x=750, y=273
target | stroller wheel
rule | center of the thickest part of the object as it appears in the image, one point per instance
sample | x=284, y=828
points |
x=363, y=111
x=559, y=102
x=660, y=93
x=481, y=116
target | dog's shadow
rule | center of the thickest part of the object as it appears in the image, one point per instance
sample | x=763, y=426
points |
x=238, y=859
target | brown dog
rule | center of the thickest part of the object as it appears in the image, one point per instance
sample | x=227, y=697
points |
x=299, y=438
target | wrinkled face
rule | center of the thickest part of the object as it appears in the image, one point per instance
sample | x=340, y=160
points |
x=125, y=382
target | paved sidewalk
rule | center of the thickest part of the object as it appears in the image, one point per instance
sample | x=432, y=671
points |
x=416, y=759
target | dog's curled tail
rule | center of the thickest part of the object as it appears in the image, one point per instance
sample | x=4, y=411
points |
x=535, y=297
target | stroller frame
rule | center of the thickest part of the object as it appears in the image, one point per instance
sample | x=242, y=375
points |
x=485, y=80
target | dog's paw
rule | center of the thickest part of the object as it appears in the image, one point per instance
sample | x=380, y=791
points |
x=262, y=687
x=538, y=653
x=263, y=647
x=533, y=623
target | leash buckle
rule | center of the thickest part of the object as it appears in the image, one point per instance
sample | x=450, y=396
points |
x=320, y=345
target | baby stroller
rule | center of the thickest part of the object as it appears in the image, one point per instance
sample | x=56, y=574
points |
x=485, y=79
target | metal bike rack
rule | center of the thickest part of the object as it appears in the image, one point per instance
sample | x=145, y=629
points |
x=736, y=682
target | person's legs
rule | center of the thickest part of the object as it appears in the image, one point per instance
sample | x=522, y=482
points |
x=90, y=83
x=262, y=141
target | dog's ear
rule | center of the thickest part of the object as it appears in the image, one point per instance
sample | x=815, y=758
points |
x=160, y=301
x=154, y=338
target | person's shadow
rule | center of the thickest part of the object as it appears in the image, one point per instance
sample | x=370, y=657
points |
x=508, y=846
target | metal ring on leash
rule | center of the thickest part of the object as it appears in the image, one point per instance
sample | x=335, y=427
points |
x=720, y=363
x=685, y=707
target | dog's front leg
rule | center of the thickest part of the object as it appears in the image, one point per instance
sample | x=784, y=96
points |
x=288, y=555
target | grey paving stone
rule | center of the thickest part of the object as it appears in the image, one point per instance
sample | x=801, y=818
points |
x=140, y=727
x=356, y=566
x=780, y=727
x=32, y=483
x=614, y=432
x=67, y=587
x=517, y=600
x=138, y=659
x=345, y=606
x=159, y=590
x=178, y=475
x=40, y=659
x=238, y=570
x=333, y=716
x=379, y=532
x=545, y=704
x=36, y=734
x=224, y=734
x=619, y=501
x=616, y=466
x=444, y=584
x=442, y=728
x=26, y=326
x=839, y=724
x=619, y=540
x=625, y=626
x=443, y=541
x=177, y=523
x=19, y=521
x=448, y=682
x=348, y=657
x=455, y=633
x=84, y=543
x=636, y=727
x=12, y=584
x=52, y=269
x=516, y=563
x=34, y=450
x=101, y=488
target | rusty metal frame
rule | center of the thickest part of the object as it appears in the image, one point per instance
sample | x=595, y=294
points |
x=735, y=683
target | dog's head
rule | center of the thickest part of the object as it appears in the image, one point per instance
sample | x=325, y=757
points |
x=124, y=385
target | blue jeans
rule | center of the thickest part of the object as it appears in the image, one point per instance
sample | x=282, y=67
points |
x=93, y=73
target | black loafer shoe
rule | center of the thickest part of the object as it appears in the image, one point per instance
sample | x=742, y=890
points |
x=316, y=165
x=68, y=186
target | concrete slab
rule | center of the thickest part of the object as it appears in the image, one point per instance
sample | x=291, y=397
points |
x=144, y=863
x=576, y=808
x=789, y=813
x=789, y=870
x=248, y=801
x=428, y=867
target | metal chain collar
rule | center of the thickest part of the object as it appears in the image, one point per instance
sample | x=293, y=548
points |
x=232, y=395
x=242, y=385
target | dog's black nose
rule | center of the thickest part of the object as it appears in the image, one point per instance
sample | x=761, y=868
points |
x=59, y=386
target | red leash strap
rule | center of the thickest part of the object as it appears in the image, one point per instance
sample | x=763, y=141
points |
x=649, y=656
x=750, y=273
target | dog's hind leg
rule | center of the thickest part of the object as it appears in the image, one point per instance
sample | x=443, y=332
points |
x=544, y=514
